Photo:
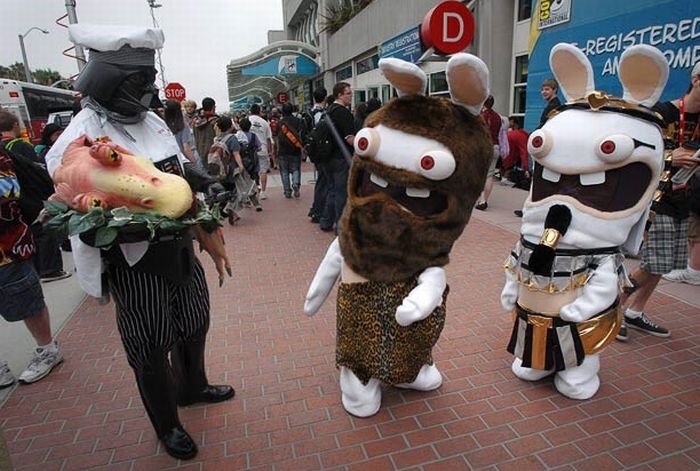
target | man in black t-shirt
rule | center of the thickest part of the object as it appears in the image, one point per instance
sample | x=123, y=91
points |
x=288, y=134
x=338, y=167
x=665, y=248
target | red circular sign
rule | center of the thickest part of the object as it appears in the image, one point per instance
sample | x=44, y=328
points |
x=448, y=27
x=174, y=91
x=282, y=98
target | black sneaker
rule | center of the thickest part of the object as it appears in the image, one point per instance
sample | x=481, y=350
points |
x=622, y=335
x=644, y=324
x=482, y=206
x=518, y=213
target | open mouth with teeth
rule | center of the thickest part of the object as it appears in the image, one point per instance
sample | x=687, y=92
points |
x=419, y=201
x=607, y=191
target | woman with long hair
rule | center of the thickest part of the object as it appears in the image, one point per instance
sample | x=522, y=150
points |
x=174, y=119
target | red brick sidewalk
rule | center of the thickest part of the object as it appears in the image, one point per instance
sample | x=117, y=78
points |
x=287, y=413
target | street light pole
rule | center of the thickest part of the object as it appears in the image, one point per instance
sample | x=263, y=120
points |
x=27, y=72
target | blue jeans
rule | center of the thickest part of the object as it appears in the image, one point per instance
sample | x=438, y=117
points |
x=338, y=170
x=290, y=165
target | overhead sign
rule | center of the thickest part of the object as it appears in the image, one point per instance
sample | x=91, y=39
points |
x=553, y=12
x=448, y=27
x=287, y=64
x=603, y=30
x=405, y=46
x=174, y=91
x=282, y=98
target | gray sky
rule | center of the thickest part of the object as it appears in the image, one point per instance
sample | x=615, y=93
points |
x=201, y=36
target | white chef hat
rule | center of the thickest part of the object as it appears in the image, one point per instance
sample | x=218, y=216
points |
x=116, y=44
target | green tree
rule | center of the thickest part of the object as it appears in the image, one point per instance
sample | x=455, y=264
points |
x=41, y=76
x=46, y=76
x=14, y=71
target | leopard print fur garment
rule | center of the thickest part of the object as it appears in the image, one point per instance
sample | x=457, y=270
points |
x=369, y=340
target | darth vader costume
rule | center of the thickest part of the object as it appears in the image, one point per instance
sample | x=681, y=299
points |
x=159, y=287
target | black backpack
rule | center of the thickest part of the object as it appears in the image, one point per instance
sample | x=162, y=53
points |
x=34, y=181
x=319, y=143
x=309, y=119
x=249, y=153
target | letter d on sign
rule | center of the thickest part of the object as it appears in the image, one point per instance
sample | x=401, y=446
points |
x=446, y=38
x=448, y=27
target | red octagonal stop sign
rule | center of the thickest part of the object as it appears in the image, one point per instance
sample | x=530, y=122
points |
x=174, y=91
x=448, y=27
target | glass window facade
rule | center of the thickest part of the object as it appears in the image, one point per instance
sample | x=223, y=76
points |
x=520, y=85
x=438, y=84
x=343, y=73
x=524, y=9
x=367, y=64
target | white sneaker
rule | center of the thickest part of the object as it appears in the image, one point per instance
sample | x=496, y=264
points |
x=263, y=195
x=6, y=376
x=41, y=365
x=682, y=276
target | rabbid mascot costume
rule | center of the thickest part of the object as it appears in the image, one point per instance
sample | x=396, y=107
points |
x=598, y=160
x=419, y=166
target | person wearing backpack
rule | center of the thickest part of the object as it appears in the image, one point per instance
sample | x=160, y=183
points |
x=38, y=186
x=224, y=163
x=249, y=147
x=289, y=133
x=338, y=168
x=20, y=288
x=321, y=186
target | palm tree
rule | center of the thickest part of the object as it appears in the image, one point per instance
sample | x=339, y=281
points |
x=46, y=76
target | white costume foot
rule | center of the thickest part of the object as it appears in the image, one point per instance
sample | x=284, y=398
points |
x=528, y=374
x=428, y=378
x=580, y=382
x=359, y=399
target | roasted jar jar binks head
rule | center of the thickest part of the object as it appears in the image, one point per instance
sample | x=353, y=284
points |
x=419, y=166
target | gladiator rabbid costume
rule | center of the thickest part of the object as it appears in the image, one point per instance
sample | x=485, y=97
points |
x=565, y=274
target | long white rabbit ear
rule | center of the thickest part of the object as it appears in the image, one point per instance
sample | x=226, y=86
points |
x=573, y=71
x=406, y=77
x=643, y=74
x=468, y=81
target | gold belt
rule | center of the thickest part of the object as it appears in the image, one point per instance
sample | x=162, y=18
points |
x=595, y=333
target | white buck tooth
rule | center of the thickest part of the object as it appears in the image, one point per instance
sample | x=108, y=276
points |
x=417, y=192
x=592, y=178
x=379, y=181
x=550, y=175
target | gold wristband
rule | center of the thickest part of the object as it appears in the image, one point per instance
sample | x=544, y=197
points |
x=550, y=238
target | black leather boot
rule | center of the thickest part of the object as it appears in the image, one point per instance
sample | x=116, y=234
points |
x=190, y=376
x=155, y=383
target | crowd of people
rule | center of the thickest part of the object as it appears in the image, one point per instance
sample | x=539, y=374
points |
x=165, y=345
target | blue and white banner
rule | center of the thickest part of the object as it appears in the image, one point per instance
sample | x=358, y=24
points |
x=603, y=29
x=406, y=46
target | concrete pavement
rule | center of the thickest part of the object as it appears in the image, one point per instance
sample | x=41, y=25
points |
x=287, y=413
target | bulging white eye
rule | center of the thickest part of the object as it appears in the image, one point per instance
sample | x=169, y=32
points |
x=615, y=148
x=436, y=164
x=540, y=143
x=367, y=142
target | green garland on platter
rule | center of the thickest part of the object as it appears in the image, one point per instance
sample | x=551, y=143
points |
x=108, y=224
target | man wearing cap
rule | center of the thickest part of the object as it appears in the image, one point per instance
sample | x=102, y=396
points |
x=160, y=291
x=665, y=248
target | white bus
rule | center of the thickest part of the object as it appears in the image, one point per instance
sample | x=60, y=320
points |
x=34, y=103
